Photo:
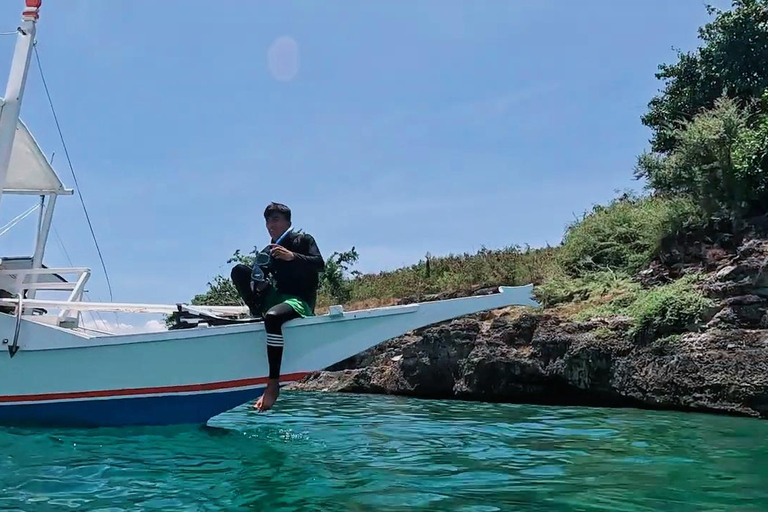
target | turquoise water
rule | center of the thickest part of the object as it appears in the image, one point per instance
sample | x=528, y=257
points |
x=352, y=452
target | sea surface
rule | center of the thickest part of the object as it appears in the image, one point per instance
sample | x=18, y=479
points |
x=322, y=451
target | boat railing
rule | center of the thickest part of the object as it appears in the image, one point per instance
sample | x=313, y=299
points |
x=26, y=282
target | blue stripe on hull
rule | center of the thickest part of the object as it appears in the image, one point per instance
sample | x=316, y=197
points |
x=119, y=412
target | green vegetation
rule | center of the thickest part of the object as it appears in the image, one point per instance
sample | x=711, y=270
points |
x=669, y=309
x=627, y=234
x=732, y=60
x=335, y=285
x=659, y=311
x=589, y=290
x=510, y=266
x=719, y=161
x=709, y=123
x=221, y=291
x=708, y=160
x=339, y=284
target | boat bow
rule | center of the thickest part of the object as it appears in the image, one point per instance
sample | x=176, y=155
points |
x=318, y=342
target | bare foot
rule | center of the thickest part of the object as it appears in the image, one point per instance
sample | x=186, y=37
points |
x=269, y=397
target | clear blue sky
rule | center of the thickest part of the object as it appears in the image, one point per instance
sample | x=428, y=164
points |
x=408, y=127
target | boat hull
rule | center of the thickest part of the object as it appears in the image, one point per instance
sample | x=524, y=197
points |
x=169, y=409
x=61, y=377
x=165, y=378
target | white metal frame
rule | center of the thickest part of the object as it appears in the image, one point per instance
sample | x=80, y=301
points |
x=22, y=288
x=11, y=106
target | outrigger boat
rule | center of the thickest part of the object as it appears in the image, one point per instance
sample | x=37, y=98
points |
x=57, y=372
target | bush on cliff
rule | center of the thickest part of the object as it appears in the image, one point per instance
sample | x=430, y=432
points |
x=719, y=161
x=709, y=124
x=509, y=266
x=625, y=235
x=655, y=312
x=669, y=309
x=588, y=290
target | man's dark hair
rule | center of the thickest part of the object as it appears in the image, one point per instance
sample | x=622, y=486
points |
x=278, y=208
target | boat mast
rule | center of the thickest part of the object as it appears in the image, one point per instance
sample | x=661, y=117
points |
x=11, y=105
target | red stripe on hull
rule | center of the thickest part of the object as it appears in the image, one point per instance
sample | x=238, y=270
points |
x=210, y=386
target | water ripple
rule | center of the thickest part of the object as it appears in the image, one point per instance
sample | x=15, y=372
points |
x=346, y=452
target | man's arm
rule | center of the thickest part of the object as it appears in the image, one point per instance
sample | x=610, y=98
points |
x=312, y=259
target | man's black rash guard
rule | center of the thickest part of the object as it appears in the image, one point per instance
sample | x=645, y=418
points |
x=300, y=276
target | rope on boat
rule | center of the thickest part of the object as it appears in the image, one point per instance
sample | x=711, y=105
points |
x=71, y=168
x=92, y=314
x=18, y=219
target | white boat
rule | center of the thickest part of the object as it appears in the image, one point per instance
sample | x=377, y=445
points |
x=56, y=372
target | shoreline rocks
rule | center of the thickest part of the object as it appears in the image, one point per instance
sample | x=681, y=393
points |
x=539, y=358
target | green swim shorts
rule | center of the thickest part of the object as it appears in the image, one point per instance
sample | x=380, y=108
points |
x=274, y=298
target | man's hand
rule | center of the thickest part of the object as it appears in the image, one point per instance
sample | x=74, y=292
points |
x=281, y=253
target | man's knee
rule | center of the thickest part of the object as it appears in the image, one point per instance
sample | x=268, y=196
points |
x=240, y=273
x=273, y=320
x=276, y=316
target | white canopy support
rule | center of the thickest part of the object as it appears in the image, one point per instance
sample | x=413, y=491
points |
x=29, y=171
x=123, y=307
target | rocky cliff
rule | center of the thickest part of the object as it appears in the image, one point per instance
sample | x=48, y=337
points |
x=719, y=365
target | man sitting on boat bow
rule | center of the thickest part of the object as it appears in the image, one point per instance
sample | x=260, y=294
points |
x=281, y=285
